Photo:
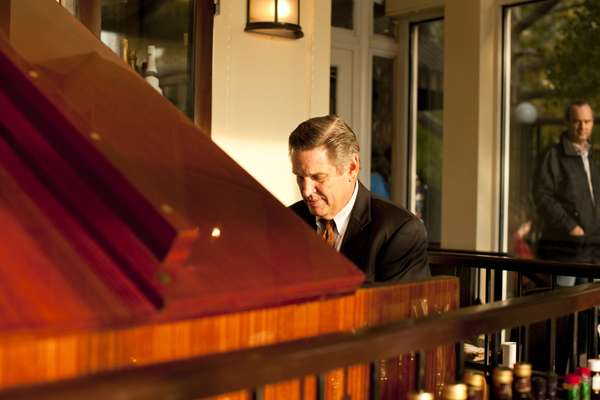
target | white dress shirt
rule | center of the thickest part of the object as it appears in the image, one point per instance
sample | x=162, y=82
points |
x=341, y=220
x=583, y=153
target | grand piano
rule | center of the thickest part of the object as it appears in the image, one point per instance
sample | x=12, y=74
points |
x=129, y=239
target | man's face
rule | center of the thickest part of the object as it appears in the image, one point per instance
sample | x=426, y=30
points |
x=325, y=188
x=581, y=122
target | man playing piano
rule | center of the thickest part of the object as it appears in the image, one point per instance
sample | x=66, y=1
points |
x=385, y=241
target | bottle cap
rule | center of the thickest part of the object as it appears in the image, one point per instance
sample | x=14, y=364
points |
x=420, y=396
x=582, y=371
x=455, y=392
x=522, y=370
x=502, y=375
x=572, y=379
x=594, y=364
x=473, y=379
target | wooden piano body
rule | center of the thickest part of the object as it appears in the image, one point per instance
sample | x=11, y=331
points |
x=128, y=238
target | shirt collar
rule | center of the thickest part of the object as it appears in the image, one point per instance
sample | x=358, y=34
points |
x=574, y=148
x=580, y=149
x=341, y=219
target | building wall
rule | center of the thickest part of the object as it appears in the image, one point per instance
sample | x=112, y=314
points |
x=471, y=144
x=470, y=176
x=264, y=86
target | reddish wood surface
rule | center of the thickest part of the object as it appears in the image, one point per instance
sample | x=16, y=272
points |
x=109, y=198
x=53, y=277
x=388, y=303
x=83, y=352
x=144, y=184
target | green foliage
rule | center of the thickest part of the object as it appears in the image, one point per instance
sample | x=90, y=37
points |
x=572, y=66
x=429, y=152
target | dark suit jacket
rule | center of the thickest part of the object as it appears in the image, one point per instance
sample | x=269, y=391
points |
x=386, y=242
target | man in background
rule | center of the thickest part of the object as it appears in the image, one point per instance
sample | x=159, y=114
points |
x=567, y=194
x=386, y=242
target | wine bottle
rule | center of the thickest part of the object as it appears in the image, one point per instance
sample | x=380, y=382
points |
x=522, y=381
x=420, y=396
x=584, y=386
x=475, y=385
x=594, y=365
x=455, y=392
x=502, y=378
x=552, y=386
x=538, y=388
x=571, y=387
x=151, y=73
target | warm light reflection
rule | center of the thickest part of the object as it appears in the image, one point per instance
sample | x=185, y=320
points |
x=167, y=209
x=264, y=10
x=284, y=9
x=216, y=232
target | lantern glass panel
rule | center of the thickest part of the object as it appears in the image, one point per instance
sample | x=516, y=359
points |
x=262, y=11
x=287, y=11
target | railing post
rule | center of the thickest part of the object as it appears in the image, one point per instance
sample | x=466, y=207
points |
x=420, y=370
x=320, y=386
x=258, y=393
x=487, y=358
x=575, y=349
x=374, y=388
x=525, y=344
x=594, y=333
x=552, y=357
x=460, y=360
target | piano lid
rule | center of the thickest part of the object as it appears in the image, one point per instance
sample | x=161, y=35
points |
x=102, y=160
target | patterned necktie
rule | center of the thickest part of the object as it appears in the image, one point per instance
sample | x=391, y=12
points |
x=328, y=231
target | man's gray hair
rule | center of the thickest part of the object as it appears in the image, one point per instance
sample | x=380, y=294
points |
x=329, y=131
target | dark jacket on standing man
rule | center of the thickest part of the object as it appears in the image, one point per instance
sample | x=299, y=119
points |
x=563, y=200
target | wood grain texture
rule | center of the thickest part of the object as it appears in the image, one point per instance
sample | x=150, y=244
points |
x=188, y=226
x=88, y=352
x=211, y=375
x=85, y=352
x=388, y=303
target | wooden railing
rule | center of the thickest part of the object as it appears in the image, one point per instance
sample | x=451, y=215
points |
x=501, y=261
x=212, y=375
x=468, y=265
x=252, y=368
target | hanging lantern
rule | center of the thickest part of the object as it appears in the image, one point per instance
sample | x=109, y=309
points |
x=274, y=17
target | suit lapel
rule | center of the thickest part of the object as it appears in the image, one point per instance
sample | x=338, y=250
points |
x=359, y=218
